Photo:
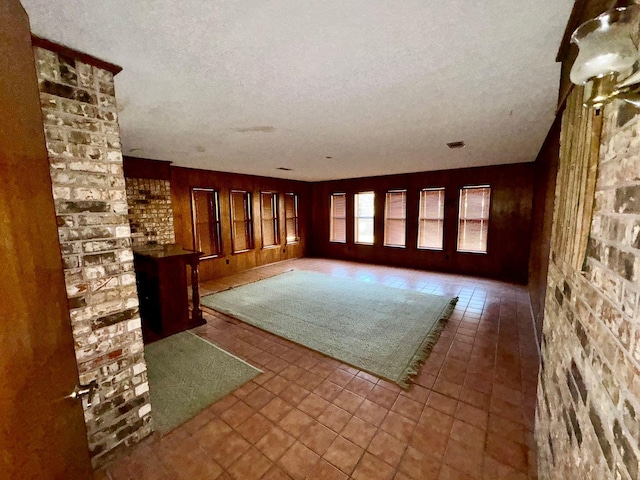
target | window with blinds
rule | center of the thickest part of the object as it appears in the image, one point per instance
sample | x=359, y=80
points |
x=338, y=220
x=205, y=210
x=395, y=218
x=431, y=219
x=291, y=217
x=269, y=216
x=241, y=224
x=473, y=218
x=364, y=217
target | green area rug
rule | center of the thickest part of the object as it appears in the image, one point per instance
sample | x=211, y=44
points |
x=187, y=374
x=382, y=330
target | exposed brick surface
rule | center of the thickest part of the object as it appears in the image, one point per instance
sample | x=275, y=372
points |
x=80, y=121
x=589, y=390
x=150, y=212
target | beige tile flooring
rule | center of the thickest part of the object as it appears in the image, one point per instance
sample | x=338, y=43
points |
x=469, y=414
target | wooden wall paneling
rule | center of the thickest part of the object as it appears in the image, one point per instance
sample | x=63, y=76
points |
x=183, y=179
x=146, y=168
x=546, y=169
x=509, y=225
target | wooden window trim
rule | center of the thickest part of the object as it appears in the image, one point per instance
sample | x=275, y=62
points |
x=214, y=212
x=482, y=219
x=275, y=221
x=356, y=217
x=247, y=221
x=402, y=219
x=294, y=217
x=440, y=218
x=333, y=217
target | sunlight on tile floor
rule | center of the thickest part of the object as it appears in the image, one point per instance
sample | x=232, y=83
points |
x=468, y=415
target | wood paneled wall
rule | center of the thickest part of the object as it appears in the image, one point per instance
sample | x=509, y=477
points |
x=546, y=169
x=507, y=254
x=183, y=179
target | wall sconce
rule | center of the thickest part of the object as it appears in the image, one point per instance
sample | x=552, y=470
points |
x=608, y=62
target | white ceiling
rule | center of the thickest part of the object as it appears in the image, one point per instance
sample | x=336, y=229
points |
x=380, y=86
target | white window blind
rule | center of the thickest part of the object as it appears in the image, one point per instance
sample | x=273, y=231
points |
x=206, y=221
x=242, y=231
x=338, y=223
x=291, y=217
x=269, y=217
x=473, y=219
x=364, y=217
x=395, y=218
x=431, y=219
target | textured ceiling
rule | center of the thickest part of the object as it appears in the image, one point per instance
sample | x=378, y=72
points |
x=381, y=87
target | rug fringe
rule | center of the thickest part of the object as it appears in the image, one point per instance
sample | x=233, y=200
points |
x=427, y=346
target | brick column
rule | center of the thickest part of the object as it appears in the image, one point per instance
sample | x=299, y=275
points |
x=83, y=143
x=588, y=415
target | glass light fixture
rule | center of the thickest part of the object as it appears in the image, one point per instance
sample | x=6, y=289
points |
x=608, y=59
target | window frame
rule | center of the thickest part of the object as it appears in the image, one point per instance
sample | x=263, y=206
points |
x=247, y=222
x=356, y=217
x=296, y=224
x=440, y=219
x=387, y=218
x=275, y=221
x=483, y=219
x=333, y=217
x=214, y=208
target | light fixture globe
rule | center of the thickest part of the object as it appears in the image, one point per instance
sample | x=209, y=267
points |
x=608, y=45
x=608, y=60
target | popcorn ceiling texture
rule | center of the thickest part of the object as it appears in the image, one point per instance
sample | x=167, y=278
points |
x=150, y=212
x=83, y=143
x=589, y=392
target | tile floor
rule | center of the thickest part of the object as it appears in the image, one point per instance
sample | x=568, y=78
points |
x=469, y=415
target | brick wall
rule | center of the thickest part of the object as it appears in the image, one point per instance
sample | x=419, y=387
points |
x=589, y=394
x=150, y=212
x=83, y=142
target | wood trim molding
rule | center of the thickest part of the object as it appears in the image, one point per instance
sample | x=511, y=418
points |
x=135, y=167
x=70, y=52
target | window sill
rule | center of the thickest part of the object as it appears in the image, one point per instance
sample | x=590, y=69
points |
x=242, y=251
x=479, y=252
x=431, y=249
x=338, y=242
x=393, y=246
x=270, y=247
x=211, y=257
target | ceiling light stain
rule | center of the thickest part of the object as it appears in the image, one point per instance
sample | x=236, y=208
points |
x=458, y=144
x=260, y=128
x=328, y=158
x=286, y=169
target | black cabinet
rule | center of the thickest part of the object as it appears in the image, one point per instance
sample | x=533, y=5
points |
x=161, y=276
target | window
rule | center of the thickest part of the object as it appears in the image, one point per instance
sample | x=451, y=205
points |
x=431, y=219
x=291, y=217
x=241, y=224
x=338, y=220
x=473, y=219
x=395, y=218
x=269, y=215
x=363, y=217
x=205, y=208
